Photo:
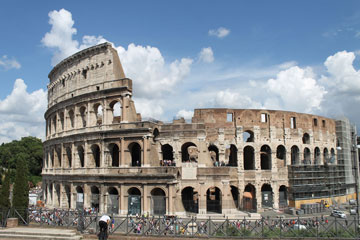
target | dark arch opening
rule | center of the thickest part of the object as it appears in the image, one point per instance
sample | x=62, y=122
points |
x=95, y=198
x=307, y=156
x=213, y=200
x=249, y=198
x=266, y=195
x=134, y=201
x=249, y=158
x=69, y=157
x=185, y=157
x=306, y=138
x=83, y=116
x=115, y=107
x=158, y=201
x=233, y=161
x=248, y=136
x=214, y=154
x=283, y=203
x=190, y=200
x=265, y=157
x=235, y=195
x=135, y=152
x=81, y=155
x=114, y=155
x=294, y=155
x=317, y=156
x=155, y=134
x=168, y=155
x=326, y=155
x=96, y=154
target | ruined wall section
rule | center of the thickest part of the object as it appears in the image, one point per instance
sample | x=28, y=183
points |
x=92, y=69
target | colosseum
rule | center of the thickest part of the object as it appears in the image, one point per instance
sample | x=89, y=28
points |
x=100, y=154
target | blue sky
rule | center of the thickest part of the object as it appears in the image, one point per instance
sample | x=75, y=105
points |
x=292, y=55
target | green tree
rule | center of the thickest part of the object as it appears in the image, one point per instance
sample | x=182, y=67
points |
x=5, y=192
x=21, y=186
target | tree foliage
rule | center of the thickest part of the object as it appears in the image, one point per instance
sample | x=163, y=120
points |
x=5, y=192
x=21, y=186
x=30, y=148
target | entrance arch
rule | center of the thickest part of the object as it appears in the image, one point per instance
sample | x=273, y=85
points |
x=134, y=201
x=249, y=158
x=213, y=200
x=79, y=198
x=233, y=161
x=190, y=200
x=158, y=201
x=235, y=195
x=113, y=201
x=266, y=196
x=95, y=198
x=135, y=151
x=283, y=196
x=265, y=156
x=249, y=198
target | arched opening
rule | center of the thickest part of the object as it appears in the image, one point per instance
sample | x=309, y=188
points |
x=95, y=155
x=80, y=150
x=248, y=136
x=332, y=155
x=50, y=193
x=235, y=195
x=71, y=118
x=307, y=156
x=168, y=155
x=58, y=196
x=214, y=155
x=58, y=156
x=52, y=158
x=95, y=198
x=134, y=201
x=113, y=201
x=156, y=134
x=213, y=200
x=187, y=154
x=281, y=155
x=98, y=110
x=68, y=196
x=62, y=119
x=79, y=198
x=114, y=151
x=83, y=114
x=54, y=123
x=283, y=203
x=294, y=155
x=190, y=200
x=69, y=157
x=249, y=198
x=265, y=157
x=249, y=158
x=317, y=156
x=326, y=155
x=158, y=201
x=135, y=152
x=115, y=107
x=266, y=196
x=233, y=161
x=306, y=138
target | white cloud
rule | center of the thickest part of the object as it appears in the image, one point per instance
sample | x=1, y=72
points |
x=185, y=114
x=221, y=32
x=22, y=113
x=7, y=63
x=206, y=55
x=149, y=108
x=297, y=89
x=152, y=76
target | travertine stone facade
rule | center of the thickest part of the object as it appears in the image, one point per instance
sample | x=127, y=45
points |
x=99, y=153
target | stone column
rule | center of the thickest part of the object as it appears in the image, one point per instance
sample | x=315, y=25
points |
x=122, y=200
x=105, y=118
x=145, y=199
x=87, y=196
x=102, y=155
x=123, y=103
x=102, y=191
x=202, y=198
x=257, y=158
x=86, y=155
x=171, y=199
x=122, y=152
x=258, y=197
x=145, y=152
x=275, y=190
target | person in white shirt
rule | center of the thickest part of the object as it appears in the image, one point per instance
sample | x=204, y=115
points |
x=103, y=224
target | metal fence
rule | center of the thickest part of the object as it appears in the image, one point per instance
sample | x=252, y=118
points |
x=281, y=228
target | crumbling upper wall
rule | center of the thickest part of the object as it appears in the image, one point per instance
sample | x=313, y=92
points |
x=92, y=69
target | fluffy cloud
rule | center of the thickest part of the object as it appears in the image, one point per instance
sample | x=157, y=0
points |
x=151, y=75
x=206, y=55
x=232, y=99
x=297, y=89
x=7, y=63
x=22, y=113
x=221, y=32
x=185, y=114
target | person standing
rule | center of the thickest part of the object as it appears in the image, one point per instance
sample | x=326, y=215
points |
x=103, y=224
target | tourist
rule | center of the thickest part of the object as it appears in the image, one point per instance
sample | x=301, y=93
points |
x=103, y=224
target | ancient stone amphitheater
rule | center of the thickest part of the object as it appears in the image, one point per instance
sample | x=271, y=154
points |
x=100, y=154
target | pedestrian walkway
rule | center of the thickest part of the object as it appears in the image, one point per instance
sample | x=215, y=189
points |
x=39, y=233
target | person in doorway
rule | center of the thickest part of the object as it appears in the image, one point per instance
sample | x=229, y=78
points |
x=103, y=224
